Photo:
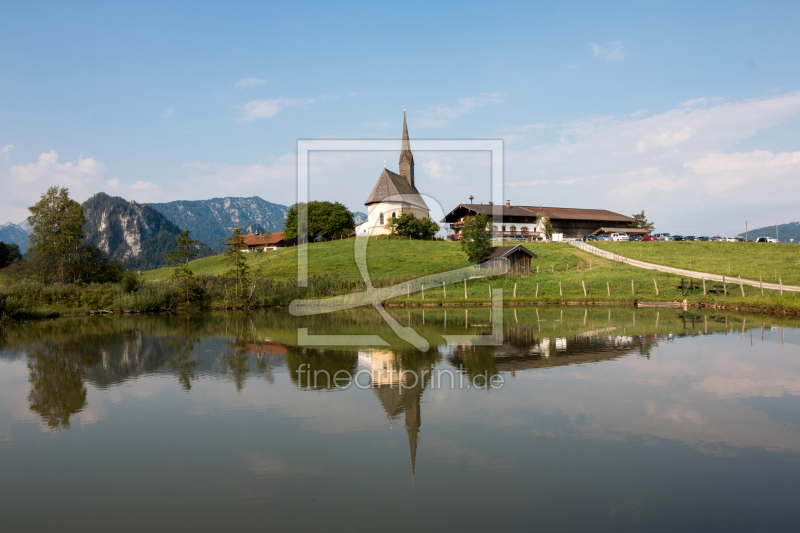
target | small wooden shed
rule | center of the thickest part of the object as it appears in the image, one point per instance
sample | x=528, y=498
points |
x=519, y=257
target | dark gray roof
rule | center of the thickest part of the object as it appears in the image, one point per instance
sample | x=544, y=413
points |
x=633, y=231
x=393, y=187
x=555, y=213
x=505, y=251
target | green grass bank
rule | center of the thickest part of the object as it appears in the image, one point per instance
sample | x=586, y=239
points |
x=565, y=274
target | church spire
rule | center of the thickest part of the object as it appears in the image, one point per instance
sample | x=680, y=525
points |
x=406, y=158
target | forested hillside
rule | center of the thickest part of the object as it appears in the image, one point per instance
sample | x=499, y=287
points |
x=136, y=235
x=213, y=220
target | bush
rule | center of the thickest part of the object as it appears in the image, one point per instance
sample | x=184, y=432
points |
x=130, y=282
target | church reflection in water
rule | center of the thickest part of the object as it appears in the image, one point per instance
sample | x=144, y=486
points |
x=61, y=362
x=399, y=392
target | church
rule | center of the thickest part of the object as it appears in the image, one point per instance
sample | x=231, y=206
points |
x=394, y=194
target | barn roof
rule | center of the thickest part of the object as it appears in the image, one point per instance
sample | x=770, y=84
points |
x=554, y=213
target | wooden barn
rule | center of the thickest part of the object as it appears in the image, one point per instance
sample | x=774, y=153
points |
x=519, y=257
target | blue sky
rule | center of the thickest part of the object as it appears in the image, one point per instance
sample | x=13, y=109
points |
x=689, y=112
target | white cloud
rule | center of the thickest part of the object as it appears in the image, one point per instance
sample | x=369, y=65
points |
x=23, y=184
x=610, y=52
x=440, y=115
x=144, y=186
x=249, y=82
x=113, y=184
x=6, y=149
x=168, y=112
x=677, y=164
x=273, y=179
x=256, y=109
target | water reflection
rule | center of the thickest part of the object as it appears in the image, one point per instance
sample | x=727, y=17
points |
x=105, y=351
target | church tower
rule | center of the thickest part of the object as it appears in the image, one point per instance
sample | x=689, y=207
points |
x=406, y=159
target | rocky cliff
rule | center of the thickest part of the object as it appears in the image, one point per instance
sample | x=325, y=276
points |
x=135, y=234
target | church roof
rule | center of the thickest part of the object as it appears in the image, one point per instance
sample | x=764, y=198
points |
x=393, y=187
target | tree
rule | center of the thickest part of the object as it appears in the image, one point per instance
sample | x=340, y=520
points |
x=410, y=227
x=546, y=224
x=56, y=234
x=93, y=265
x=325, y=219
x=476, y=238
x=9, y=253
x=640, y=221
x=180, y=258
x=234, y=256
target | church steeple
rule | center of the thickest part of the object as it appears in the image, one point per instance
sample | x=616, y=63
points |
x=406, y=158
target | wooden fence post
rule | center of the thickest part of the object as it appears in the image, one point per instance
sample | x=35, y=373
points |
x=704, y=286
x=408, y=289
x=423, y=291
x=633, y=292
x=537, y=269
x=444, y=289
x=608, y=288
x=780, y=280
x=741, y=287
x=584, y=287
x=724, y=286
x=656, y=284
x=515, y=290
x=490, y=291
x=537, y=295
x=562, y=294
x=465, y=288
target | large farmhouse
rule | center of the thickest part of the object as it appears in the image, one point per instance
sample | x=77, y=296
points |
x=394, y=194
x=524, y=222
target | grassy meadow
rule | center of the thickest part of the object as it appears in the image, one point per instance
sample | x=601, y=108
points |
x=563, y=272
x=746, y=259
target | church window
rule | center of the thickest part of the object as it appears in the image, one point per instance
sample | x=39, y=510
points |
x=394, y=214
x=380, y=220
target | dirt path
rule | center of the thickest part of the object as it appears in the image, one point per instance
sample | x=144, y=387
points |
x=679, y=271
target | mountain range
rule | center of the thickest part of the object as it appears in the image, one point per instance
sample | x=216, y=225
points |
x=140, y=235
x=785, y=232
x=135, y=234
x=15, y=233
x=212, y=221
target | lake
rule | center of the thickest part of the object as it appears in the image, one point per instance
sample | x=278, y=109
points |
x=549, y=418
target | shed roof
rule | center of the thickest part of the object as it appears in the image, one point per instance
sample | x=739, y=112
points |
x=505, y=251
x=393, y=187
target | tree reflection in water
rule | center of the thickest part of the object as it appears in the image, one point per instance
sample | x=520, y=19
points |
x=57, y=388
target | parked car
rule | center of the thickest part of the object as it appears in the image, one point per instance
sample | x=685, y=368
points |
x=604, y=237
x=704, y=239
x=662, y=236
x=649, y=238
x=590, y=238
x=730, y=239
x=634, y=238
x=689, y=238
x=578, y=240
x=622, y=236
x=678, y=237
x=766, y=239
